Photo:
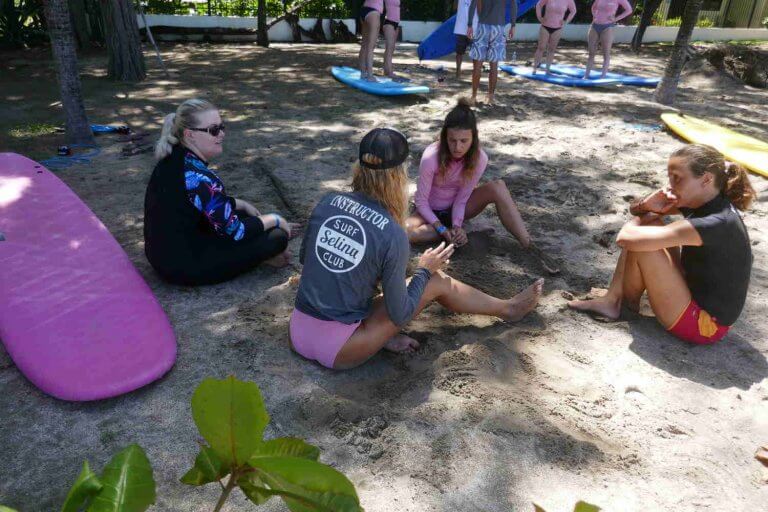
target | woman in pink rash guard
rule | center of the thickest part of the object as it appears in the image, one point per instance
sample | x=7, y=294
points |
x=450, y=170
x=553, y=16
x=604, y=17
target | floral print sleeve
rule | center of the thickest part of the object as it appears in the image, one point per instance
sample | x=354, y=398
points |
x=206, y=192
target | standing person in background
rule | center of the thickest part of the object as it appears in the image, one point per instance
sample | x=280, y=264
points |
x=460, y=30
x=550, y=14
x=488, y=42
x=604, y=17
x=390, y=27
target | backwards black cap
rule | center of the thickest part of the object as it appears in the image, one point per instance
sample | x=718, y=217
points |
x=387, y=144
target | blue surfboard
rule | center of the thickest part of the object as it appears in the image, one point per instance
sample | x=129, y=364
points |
x=578, y=72
x=382, y=87
x=442, y=41
x=569, y=81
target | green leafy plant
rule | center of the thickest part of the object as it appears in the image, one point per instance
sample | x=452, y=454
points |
x=231, y=417
x=581, y=506
x=6, y=509
x=125, y=485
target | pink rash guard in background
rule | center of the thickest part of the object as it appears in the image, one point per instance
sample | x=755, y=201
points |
x=433, y=193
x=375, y=4
x=606, y=11
x=392, y=12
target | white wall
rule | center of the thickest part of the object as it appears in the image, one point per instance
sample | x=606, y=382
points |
x=415, y=31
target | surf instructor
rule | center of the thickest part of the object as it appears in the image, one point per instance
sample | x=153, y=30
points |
x=356, y=241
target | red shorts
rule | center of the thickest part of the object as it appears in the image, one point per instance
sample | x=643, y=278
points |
x=696, y=326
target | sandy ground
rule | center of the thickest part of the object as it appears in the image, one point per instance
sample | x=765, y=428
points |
x=487, y=416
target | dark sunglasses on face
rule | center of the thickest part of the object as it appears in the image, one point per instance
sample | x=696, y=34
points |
x=211, y=130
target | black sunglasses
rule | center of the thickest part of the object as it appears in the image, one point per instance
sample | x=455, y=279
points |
x=211, y=130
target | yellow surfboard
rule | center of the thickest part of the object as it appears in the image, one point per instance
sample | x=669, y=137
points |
x=747, y=151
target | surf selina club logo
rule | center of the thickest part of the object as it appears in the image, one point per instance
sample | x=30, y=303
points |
x=341, y=241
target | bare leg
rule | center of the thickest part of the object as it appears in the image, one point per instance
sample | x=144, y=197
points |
x=492, y=78
x=370, y=36
x=419, y=230
x=592, y=41
x=459, y=60
x=654, y=271
x=390, y=41
x=377, y=330
x=542, y=44
x=606, y=41
x=477, y=68
x=496, y=193
x=554, y=40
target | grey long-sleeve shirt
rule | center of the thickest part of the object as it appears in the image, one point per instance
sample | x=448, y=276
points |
x=350, y=244
x=492, y=12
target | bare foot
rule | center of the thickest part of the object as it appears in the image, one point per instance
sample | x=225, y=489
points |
x=279, y=261
x=524, y=302
x=401, y=344
x=489, y=100
x=762, y=455
x=604, y=306
x=473, y=101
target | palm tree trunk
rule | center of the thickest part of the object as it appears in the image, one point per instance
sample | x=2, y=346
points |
x=126, y=60
x=63, y=46
x=262, y=35
x=649, y=9
x=667, y=88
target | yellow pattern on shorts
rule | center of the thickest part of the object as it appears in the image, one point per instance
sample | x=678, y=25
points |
x=707, y=326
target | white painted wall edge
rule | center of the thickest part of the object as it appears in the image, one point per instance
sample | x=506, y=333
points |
x=415, y=31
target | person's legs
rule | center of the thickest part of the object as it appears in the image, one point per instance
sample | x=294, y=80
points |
x=493, y=76
x=419, y=230
x=226, y=260
x=654, y=271
x=461, y=49
x=541, y=46
x=496, y=193
x=477, y=68
x=390, y=41
x=370, y=36
x=554, y=40
x=592, y=40
x=376, y=331
x=606, y=41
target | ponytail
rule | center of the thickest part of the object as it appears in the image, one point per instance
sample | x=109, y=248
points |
x=175, y=124
x=167, y=140
x=731, y=179
x=737, y=188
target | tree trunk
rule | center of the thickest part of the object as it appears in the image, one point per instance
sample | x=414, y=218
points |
x=649, y=9
x=262, y=32
x=80, y=23
x=126, y=60
x=667, y=88
x=63, y=46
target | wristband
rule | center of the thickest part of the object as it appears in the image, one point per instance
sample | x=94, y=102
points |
x=277, y=220
x=441, y=229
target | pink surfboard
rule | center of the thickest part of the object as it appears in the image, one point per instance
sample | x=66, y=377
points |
x=75, y=315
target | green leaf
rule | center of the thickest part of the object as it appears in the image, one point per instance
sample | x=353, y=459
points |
x=7, y=509
x=583, y=506
x=128, y=483
x=208, y=468
x=253, y=488
x=288, y=447
x=230, y=415
x=306, y=485
x=86, y=485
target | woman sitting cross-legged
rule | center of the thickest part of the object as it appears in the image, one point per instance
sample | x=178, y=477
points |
x=695, y=270
x=447, y=191
x=194, y=233
x=353, y=242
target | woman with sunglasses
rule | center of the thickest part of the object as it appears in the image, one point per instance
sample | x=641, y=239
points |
x=356, y=241
x=194, y=233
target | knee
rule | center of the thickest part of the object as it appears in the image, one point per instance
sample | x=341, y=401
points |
x=499, y=188
x=279, y=239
